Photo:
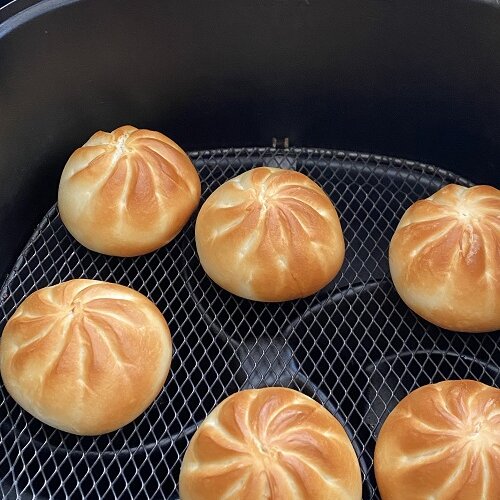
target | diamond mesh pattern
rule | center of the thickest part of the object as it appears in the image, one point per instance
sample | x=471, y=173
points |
x=354, y=346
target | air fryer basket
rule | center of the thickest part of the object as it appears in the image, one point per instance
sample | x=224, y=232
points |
x=354, y=346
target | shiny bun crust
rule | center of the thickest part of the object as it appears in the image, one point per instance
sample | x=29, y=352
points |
x=270, y=235
x=445, y=258
x=442, y=441
x=86, y=357
x=270, y=443
x=127, y=192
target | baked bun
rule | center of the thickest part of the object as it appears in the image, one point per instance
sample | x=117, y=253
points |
x=86, y=357
x=270, y=443
x=445, y=258
x=127, y=192
x=442, y=441
x=270, y=235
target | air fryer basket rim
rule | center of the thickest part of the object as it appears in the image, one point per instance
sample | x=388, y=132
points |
x=10, y=8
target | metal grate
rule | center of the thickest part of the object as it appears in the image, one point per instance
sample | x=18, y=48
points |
x=354, y=346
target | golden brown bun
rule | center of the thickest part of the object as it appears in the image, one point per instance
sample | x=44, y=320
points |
x=442, y=441
x=127, y=192
x=270, y=235
x=85, y=356
x=271, y=443
x=445, y=258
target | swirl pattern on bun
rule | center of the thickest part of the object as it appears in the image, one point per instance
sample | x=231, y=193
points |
x=270, y=235
x=127, y=192
x=85, y=356
x=442, y=441
x=270, y=443
x=445, y=258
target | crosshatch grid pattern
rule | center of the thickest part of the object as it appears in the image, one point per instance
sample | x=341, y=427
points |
x=353, y=346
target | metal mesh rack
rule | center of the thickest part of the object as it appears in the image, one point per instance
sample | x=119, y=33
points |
x=353, y=346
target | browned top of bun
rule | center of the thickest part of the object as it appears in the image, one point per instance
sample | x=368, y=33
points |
x=442, y=441
x=271, y=443
x=127, y=192
x=270, y=235
x=445, y=258
x=85, y=356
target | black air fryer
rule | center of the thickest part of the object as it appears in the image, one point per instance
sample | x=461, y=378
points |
x=381, y=102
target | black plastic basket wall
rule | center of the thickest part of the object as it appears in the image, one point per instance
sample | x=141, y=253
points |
x=354, y=346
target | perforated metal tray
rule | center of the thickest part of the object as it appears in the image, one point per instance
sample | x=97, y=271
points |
x=354, y=346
